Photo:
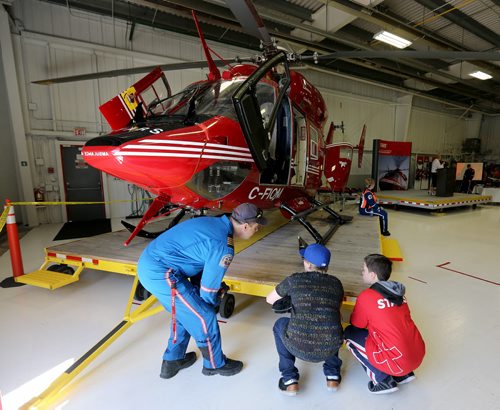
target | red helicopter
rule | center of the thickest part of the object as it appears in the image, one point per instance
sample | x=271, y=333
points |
x=251, y=133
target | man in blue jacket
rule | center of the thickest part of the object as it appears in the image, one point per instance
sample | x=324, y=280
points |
x=184, y=268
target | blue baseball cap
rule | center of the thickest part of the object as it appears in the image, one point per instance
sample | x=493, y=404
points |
x=317, y=254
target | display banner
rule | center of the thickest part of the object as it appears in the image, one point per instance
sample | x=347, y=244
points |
x=391, y=164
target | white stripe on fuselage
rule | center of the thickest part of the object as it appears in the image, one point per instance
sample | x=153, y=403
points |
x=178, y=155
x=157, y=141
x=184, y=149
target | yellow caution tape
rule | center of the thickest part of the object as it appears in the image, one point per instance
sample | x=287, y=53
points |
x=79, y=203
x=3, y=218
x=5, y=213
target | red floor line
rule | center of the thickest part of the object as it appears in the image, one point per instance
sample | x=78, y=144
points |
x=411, y=277
x=442, y=266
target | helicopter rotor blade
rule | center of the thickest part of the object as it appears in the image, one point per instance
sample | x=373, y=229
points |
x=247, y=15
x=431, y=54
x=137, y=70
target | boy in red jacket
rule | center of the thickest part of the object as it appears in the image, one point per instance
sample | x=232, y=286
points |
x=382, y=335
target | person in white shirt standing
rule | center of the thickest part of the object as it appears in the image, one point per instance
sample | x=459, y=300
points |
x=436, y=164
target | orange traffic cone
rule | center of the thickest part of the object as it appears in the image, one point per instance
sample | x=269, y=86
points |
x=16, y=257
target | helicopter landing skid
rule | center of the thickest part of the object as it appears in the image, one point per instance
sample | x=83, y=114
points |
x=334, y=217
x=152, y=235
x=142, y=233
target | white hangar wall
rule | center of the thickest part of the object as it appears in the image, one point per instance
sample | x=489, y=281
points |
x=490, y=138
x=53, y=41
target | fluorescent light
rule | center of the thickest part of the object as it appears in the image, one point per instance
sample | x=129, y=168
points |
x=480, y=75
x=392, y=39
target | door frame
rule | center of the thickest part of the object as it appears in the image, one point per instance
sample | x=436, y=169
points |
x=58, y=145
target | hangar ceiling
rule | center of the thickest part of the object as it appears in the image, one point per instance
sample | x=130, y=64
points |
x=327, y=26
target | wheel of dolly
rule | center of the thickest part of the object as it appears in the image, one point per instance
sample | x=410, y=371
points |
x=226, y=307
x=141, y=293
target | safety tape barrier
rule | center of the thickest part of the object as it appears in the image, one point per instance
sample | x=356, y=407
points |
x=3, y=217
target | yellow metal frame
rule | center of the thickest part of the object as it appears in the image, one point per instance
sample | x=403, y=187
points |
x=59, y=386
x=248, y=288
x=108, y=266
x=145, y=310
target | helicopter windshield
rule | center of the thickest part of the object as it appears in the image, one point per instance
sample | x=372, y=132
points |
x=209, y=100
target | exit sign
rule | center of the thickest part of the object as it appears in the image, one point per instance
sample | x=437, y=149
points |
x=79, y=131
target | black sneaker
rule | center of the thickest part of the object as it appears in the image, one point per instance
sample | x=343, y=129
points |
x=231, y=368
x=290, y=387
x=333, y=382
x=386, y=233
x=169, y=368
x=388, y=385
x=405, y=379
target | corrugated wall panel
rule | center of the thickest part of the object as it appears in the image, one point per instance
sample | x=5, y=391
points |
x=490, y=138
x=354, y=111
x=433, y=132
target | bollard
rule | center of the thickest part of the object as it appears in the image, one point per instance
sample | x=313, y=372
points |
x=16, y=258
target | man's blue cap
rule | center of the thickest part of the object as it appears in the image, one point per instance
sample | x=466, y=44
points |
x=317, y=254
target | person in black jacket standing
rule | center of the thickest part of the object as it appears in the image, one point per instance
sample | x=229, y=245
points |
x=467, y=180
x=314, y=332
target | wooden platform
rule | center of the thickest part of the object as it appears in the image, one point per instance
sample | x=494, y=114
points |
x=271, y=260
x=256, y=269
x=416, y=198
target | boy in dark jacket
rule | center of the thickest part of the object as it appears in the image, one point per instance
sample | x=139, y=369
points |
x=313, y=333
x=382, y=335
x=368, y=206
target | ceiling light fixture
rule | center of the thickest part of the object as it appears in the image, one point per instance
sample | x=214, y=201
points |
x=391, y=39
x=480, y=75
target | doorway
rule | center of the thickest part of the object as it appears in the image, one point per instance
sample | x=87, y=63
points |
x=82, y=183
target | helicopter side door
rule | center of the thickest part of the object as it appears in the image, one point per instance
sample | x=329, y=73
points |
x=258, y=132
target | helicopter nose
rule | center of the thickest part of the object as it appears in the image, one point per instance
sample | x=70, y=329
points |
x=104, y=141
x=99, y=152
x=98, y=156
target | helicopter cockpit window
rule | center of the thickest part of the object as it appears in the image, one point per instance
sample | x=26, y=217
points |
x=210, y=99
x=266, y=98
x=314, y=143
x=176, y=104
x=219, y=179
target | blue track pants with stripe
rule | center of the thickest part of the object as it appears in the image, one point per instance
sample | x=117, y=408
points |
x=194, y=317
x=381, y=213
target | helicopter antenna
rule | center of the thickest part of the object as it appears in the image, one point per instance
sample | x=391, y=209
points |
x=331, y=130
x=214, y=71
x=361, y=146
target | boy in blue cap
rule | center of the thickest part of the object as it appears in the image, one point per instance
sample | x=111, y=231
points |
x=313, y=332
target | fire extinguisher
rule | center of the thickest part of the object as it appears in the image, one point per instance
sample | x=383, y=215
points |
x=39, y=195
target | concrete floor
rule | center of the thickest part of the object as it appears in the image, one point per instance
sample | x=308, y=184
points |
x=42, y=332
